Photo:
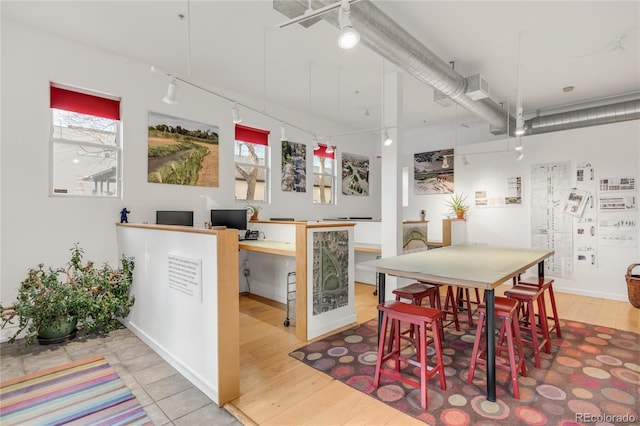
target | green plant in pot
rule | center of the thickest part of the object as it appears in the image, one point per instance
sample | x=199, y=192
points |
x=253, y=211
x=457, y=204
x=52, y=301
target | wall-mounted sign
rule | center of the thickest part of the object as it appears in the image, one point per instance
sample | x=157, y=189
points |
x=185, y=275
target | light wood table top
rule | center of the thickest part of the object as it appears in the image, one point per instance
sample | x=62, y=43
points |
x=465, y=265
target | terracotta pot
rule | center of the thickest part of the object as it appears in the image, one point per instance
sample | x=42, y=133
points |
x=460, y=214
x=254, y=216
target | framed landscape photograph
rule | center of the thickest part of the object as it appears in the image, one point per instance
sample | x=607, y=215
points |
x=182, y=152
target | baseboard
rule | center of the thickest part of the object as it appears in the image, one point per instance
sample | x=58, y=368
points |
x=194, y=378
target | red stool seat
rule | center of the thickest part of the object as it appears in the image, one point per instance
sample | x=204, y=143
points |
x=547, y=285
x=416, y=292
x=505, y=310
x=422, y=318
x=532, y=297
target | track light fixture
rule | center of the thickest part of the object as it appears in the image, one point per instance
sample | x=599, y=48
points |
x=315, y=143
x=464, y=160
x=445, y=162
x=349, y=37
x=387, y=139
x=520, y=156
x=170, y=97
x=518, y=146
x=283, y=133
x=235, y=114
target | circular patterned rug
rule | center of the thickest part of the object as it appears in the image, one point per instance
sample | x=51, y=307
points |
x=591, y=376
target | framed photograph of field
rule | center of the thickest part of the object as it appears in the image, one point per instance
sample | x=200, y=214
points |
x=355, y=174
x=182, y=152
x=433, y=172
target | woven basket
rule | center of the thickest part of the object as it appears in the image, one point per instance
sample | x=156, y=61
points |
x=633, y=286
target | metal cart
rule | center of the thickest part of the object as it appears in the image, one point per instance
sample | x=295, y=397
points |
x=291, y=298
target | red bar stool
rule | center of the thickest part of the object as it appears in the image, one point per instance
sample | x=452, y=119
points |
x=547, y=286
x=422, y=318
x=416, y=292
x=505, y=310
x=531, y=297
x=450, y=306
x=463, y=300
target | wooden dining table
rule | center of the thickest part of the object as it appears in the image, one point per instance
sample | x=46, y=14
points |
x=465, y=265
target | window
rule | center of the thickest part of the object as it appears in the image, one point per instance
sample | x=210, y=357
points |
x=251, y=150
x=85, y=144
x=324, y=175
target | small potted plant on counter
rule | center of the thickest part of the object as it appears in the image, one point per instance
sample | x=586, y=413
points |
x=422, y=214
x=253, y=211
x=457, y=205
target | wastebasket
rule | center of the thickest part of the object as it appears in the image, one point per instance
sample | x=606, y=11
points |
x=633, y=285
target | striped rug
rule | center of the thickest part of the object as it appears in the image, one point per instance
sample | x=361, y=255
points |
x=86, y=392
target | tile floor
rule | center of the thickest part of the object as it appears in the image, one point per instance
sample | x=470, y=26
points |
x=167, y=397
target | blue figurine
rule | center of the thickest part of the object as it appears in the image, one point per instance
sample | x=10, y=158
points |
x=123, y=215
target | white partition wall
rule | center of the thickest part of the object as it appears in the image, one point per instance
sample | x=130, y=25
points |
x=179, y=287
x=330, y=283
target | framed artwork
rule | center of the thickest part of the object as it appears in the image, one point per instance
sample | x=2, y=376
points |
x=433, y=172
x=330, y=270
x=355, y=174
x=294, y=167
x=182, y=152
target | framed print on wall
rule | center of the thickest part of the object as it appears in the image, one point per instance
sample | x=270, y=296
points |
x=294, y=167
x=355, y=174
x=182, y=152
x=433, y=172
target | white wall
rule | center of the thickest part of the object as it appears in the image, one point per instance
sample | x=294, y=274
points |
x=37, y=228
x=613, y=149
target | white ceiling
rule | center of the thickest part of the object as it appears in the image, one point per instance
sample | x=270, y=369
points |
x=236, y=50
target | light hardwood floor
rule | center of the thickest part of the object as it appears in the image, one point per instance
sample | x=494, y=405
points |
x=279, y=390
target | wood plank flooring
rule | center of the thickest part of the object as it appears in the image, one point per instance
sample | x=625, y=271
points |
x=275, y=389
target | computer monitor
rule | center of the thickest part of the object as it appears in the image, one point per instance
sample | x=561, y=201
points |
x=174, y=217
x=231, y=218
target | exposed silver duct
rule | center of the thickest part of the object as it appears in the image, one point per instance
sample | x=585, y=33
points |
x=612, y=113
x=384, y=36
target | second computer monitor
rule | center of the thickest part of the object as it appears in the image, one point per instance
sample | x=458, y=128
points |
x=231, y=218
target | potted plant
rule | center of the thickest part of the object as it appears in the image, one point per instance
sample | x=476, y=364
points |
x=52, y=301
x=422, y=214
x=457, y=205
x=253, y=211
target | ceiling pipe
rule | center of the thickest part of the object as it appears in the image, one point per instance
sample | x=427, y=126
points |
x=594, y=116
x=384, y=36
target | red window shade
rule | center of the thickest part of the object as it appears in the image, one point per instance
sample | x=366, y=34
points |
x=322, y=152
x=252, y=135
x=83, y=103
